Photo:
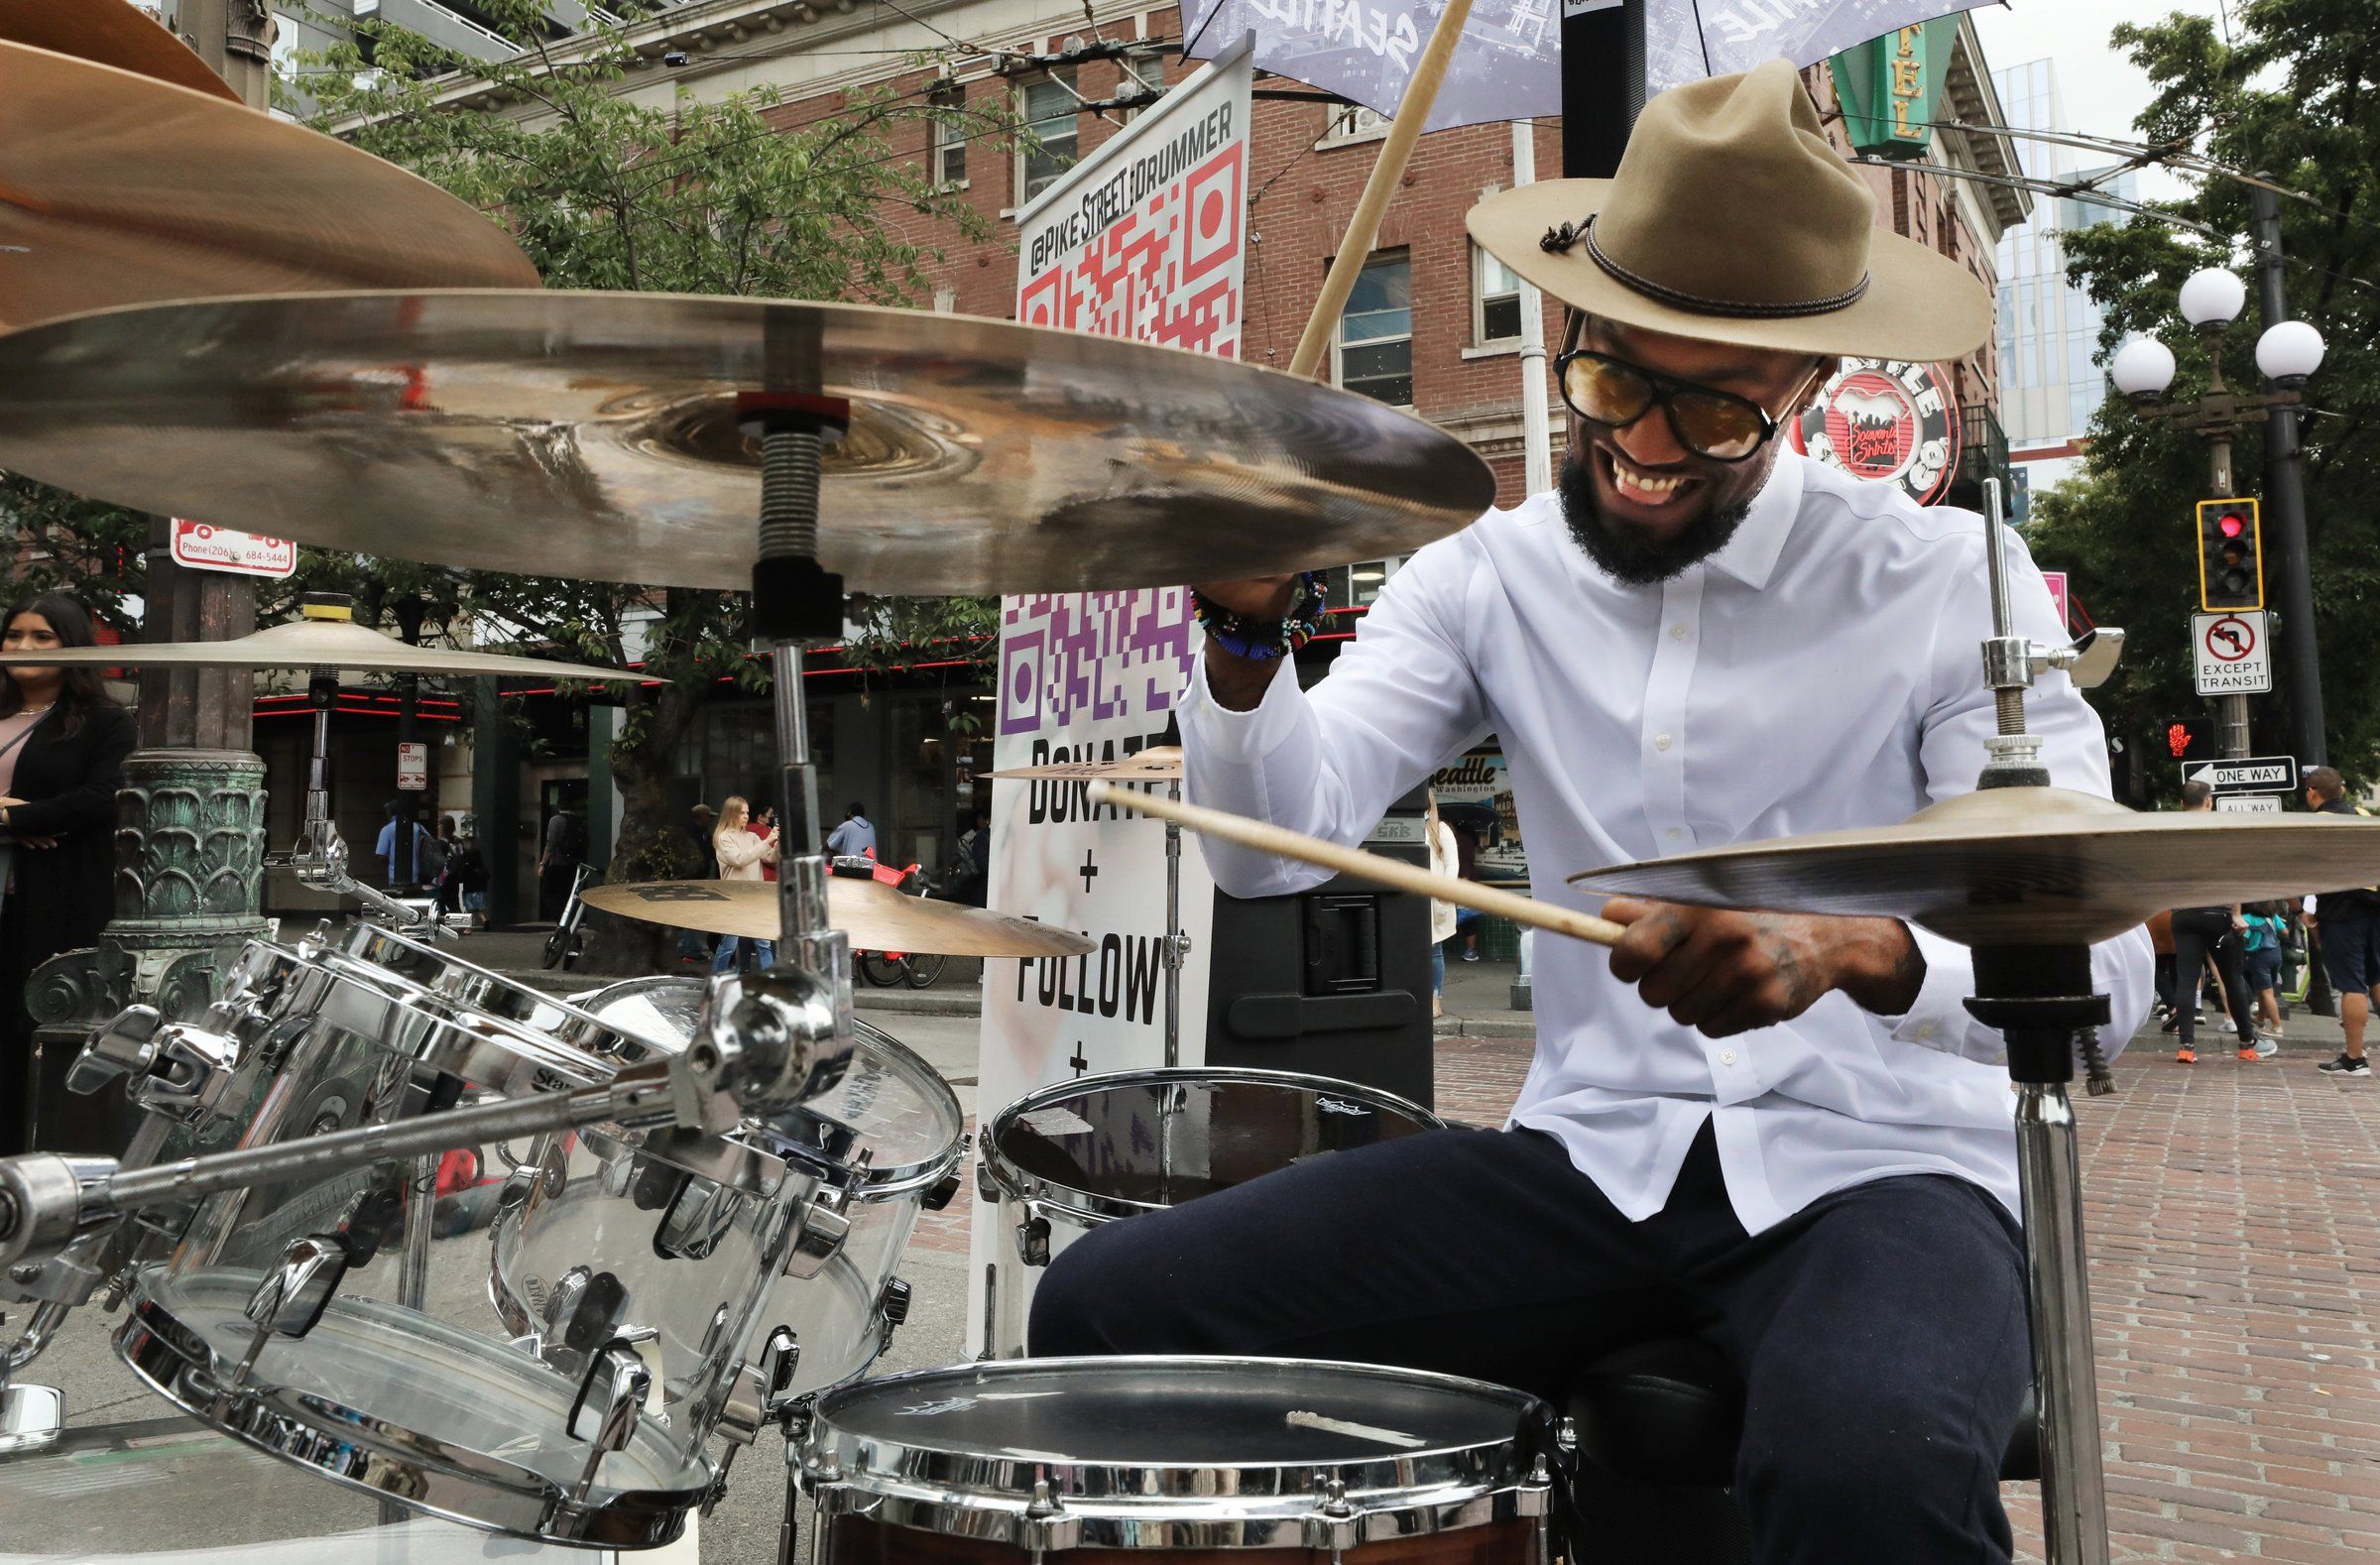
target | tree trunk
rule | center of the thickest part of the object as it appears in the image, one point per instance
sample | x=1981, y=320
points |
x=653, y=845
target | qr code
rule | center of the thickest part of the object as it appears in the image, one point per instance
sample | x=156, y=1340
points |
x=1080, y=656
x=1163, y=273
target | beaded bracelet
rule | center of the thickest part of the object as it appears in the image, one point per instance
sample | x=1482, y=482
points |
x=1260, y=640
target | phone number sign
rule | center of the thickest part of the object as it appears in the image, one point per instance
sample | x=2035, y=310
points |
x=203, y=546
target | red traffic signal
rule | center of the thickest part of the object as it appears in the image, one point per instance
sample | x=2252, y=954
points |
x=2230, y=555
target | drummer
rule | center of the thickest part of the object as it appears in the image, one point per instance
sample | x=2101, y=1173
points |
x=1785, y=1132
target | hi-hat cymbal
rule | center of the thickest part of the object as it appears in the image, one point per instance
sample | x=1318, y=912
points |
x=313, y=644
x=2019, y=866
x=110, y=33
x=1157, y=764
x=592, y=435
x=117, y=188
x=877, y=916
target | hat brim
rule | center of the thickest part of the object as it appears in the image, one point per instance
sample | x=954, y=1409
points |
x=1919, y=307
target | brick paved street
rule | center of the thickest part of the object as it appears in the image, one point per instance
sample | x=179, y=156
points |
x=2237, y=1275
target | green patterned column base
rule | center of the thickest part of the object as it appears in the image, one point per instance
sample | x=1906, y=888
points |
x=189, y=850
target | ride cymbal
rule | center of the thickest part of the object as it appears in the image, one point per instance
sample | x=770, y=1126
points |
x=2019, y=866
x=118, y=188
x=110, y=33
x=1157, y=764
x=877, y=916
x=313, y=644
x=594, y=435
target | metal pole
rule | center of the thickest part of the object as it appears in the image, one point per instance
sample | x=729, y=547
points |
x=2285, y=507
x=1536, y=423
x=2074, y=1493
x=1176, y=943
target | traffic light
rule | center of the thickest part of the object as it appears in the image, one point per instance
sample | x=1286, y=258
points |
x=2231, y=556
x=2190, y=739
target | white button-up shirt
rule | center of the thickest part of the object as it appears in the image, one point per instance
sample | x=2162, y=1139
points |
x=1820, y=671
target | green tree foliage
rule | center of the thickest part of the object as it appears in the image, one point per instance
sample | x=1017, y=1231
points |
x=604, y=191
x=2294, y=96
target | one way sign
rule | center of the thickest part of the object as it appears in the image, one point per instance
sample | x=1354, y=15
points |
x=2250, y=774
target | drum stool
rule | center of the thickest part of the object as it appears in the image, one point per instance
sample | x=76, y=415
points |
x=1658, y=1422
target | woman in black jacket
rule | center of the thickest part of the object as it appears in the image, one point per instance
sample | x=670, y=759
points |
x=58, y=809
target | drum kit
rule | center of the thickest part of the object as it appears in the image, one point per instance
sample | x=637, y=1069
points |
x=698, y=1236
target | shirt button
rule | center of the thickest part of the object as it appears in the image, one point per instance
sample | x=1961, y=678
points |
x=1660, y=741
x=1727, y=1056
x=1677, y=633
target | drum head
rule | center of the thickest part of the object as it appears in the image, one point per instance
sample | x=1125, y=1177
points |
x=392, y=1400
x=1109, y=1146
x=663, y=1009
x=891, y=1105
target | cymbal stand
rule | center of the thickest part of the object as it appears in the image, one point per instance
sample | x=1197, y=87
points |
x=1177, y=943
x=2040, y=999
x=321, y=858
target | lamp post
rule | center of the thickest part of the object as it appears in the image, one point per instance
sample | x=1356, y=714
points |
x=2288, y=353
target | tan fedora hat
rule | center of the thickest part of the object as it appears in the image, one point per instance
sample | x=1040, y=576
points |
x=1733, y=220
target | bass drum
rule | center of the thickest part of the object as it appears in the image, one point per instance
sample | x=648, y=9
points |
x=1061, y=1161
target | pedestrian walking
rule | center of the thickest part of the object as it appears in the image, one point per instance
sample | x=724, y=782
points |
x=403, y=869
x=2201, y=934
x=740, y=850
x=564, y=851
x=854, y=837
x=2266, y=941
x=1445, y=858
x=467, y=872
x=694, y=945
x=63, y=745
x=443, y=885
x=2348, y=924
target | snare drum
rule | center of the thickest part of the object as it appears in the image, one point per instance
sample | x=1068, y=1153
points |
x=1064, y=1160
x=342, y=1323
x=1195, y=1460
x=634, y=1217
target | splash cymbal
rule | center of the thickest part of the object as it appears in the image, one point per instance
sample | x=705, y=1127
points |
x=877, y=916
x=1157, y=764
x=313, y=644
x=119, y=189
x=2020, y=866
x=592, y=435
x=110, y=33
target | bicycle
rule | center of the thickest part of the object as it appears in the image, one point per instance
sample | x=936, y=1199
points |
x=893, y=969
x=568, y=941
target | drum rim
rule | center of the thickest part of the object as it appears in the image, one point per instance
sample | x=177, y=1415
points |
x=1013, y=1184
x=353, y=1449
x=944, y=1489
x=621, y=1048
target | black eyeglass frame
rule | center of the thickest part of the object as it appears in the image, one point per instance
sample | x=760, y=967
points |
x=1663, y=388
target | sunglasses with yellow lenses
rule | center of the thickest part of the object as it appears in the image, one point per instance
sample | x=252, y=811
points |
x=1717, y=425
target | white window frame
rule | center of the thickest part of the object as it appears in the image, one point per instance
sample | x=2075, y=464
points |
x=1352, y=125
x=947, y=138
x=1063, y=75
x=1481, y=261
x=1340, y=344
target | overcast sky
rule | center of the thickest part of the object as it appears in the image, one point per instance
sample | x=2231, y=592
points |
x=2102, y=90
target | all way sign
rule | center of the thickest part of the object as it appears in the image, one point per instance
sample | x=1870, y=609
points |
x=2248, y=774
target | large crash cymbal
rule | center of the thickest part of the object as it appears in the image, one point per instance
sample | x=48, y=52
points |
x=314, y=644
x=118, y=188
x=877, y=916
x=110, y=33
x=592, y=435
x=2021, y=866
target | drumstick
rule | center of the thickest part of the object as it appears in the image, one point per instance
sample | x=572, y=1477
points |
x=1392, y=873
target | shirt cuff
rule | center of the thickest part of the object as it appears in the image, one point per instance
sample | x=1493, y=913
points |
x=1241, y=738
x=1938, y=1017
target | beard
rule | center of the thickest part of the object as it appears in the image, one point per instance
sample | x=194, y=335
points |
x=1626, y=555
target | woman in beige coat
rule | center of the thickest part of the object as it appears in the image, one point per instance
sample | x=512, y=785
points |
x=741, y=851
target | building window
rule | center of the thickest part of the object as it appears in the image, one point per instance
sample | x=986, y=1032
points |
x=1375, y=330
x=1357, y=585
x=1143, y=78
x=1494, y=299
x=1047, y=105
x=949, y=162
x=1354, y=123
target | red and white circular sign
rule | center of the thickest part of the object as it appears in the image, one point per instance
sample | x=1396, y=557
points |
x=2230, y=639
x=1885, y=422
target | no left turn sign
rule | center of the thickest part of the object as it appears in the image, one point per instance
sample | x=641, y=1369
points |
x=2233, y=657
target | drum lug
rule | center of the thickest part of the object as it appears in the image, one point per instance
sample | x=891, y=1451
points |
x=894, y=1307
x=1032, y=1239
x=1334, y=1524
x=294, y=1295
x=610, y=1401
x=938, y=1195
x=762, y=1393
x=987, y=1190
x=1534, y=1497
x=1045, y=1528
x=824, y=1230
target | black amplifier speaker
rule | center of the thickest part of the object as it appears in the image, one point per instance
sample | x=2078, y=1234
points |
x=1330, y=982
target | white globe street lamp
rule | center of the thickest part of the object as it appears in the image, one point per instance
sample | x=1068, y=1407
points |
x=2212, y=297
x=2143, y=369
x=2290, y=352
